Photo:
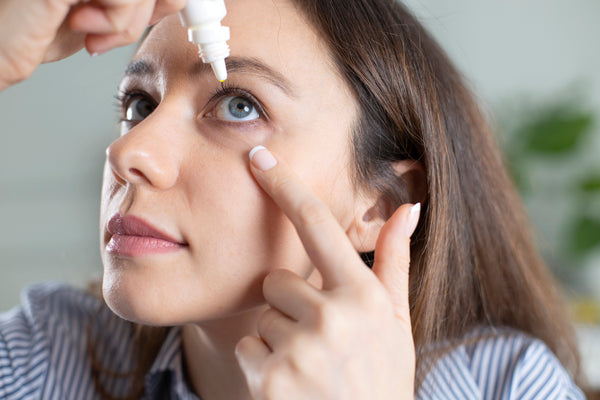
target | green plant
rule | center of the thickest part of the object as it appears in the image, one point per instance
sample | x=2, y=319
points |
x=554, y=141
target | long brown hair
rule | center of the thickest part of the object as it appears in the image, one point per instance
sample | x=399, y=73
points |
x=473, y=260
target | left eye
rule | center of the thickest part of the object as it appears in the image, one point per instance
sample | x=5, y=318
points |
x=236, y=108
x=138, y=108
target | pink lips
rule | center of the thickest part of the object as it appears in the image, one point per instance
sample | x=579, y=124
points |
x=132, y=236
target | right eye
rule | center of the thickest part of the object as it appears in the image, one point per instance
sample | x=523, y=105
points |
x=137, y=107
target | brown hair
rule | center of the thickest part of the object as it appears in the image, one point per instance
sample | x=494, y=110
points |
x=473, y=261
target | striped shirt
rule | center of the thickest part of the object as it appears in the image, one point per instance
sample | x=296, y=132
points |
x=44, y=355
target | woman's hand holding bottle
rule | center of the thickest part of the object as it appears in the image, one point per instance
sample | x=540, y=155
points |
x=352, y=339
x=37, y=31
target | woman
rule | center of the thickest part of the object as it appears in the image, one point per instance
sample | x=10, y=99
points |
x=262, y=269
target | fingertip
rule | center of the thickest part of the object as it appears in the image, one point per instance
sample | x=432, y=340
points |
x=254, y=150
x=250, y=349
x=240, y=347
x=396, y=232
x=97, y=44
x=261, y=158
x=412, y=219
x=405, y=219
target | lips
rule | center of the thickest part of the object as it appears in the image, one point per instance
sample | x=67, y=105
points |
x=132, y=236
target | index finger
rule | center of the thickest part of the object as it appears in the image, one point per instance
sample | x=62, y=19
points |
x=323, y=238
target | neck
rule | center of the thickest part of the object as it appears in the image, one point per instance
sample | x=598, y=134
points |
x=209, y=350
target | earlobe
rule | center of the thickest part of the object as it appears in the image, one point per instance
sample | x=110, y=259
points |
x=373, y=209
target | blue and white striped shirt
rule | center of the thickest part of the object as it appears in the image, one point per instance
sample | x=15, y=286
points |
x=43, y=355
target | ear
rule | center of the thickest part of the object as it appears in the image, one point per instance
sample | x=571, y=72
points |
x=373, y=209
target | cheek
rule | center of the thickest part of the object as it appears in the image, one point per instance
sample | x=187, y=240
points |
x=321, y=159
x=236, y=233
x=238, y=223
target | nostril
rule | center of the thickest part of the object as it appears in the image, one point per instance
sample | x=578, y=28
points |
x=136, y=175
x=136, y=172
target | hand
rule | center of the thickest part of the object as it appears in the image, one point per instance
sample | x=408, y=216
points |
x=350, y=340
x=36, y=31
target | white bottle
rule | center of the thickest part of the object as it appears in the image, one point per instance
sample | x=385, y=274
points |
x=203, y=20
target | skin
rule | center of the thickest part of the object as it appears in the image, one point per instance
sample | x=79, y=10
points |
x=179, y=167
x=351, y=339
x=272, y=296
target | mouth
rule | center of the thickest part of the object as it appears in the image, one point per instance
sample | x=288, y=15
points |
x=132, y=236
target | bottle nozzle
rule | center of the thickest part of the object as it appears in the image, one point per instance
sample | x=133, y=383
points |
x=203, y=20
x=219, y=69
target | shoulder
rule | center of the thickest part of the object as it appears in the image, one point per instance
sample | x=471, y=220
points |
x=43, y=338
x=44, y=307
x=499, y=363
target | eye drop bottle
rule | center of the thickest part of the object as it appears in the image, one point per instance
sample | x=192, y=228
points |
x=203, y=20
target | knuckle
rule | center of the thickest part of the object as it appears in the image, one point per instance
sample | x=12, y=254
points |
x=281, y=184
x=402, y=264
x=298, y=345
x=273, y=382
x=327, y=318
x=273, y=282
x=365, y=294
x=16, y=67
x=266, y=321
x=377, y=301
x=130, y=34
x=275, y=277
x=312, y=212
x=302, y=356
x=118, y=23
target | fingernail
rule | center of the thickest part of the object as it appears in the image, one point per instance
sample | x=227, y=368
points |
x=96, y=53
x=413, y=219
x=262, y=158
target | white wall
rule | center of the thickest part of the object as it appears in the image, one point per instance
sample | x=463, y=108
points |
x=54, y=128
x=507, y=47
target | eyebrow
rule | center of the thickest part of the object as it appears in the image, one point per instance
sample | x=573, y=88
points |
x=247, y=65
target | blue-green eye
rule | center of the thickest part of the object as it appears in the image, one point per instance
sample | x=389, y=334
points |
x=236, y=108
x=138, y=107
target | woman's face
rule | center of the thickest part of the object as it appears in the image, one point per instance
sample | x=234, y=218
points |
x=180, y=166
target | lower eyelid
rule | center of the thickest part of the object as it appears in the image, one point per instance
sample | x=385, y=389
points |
x=251, y=124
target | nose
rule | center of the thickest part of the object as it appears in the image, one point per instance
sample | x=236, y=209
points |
x=146, y=155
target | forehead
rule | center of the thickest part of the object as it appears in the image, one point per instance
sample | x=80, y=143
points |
x=272, y=31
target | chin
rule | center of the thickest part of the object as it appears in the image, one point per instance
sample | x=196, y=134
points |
x=146, y=296
x=127, y=302
x=138, y=299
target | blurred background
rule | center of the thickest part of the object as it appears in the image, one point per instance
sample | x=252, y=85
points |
x=534, y=65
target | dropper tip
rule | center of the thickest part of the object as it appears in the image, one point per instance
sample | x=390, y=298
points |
x=219, y=69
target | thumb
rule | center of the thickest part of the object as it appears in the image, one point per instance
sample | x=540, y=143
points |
x=392, y=256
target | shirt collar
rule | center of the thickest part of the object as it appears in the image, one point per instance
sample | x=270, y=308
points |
x=168, y=369
x=169, y=356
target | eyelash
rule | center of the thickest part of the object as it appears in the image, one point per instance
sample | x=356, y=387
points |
x=123, y=97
